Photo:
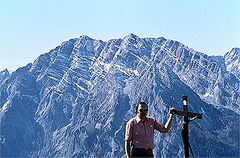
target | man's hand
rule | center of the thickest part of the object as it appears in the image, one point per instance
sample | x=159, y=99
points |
x=172, y=110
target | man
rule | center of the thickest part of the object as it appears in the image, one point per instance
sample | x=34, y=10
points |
x=140, y=132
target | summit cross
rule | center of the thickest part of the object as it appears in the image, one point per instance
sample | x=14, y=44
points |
x=185, y=120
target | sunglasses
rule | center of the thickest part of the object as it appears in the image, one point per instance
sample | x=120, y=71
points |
x=141, y=110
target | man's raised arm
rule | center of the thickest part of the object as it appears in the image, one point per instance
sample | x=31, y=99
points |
x=168, y=124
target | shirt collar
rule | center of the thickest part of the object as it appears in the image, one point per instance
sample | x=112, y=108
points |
x=138, y=119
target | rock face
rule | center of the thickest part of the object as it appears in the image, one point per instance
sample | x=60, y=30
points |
x=232, y=61
x=75, y=100
x=3, y=75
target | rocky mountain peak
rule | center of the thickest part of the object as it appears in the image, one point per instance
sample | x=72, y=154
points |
x=3, y=75
x=234, y=53
x=75, y=100
x=232, y=61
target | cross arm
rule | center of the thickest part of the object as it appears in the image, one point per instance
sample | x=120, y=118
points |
x=190, y=114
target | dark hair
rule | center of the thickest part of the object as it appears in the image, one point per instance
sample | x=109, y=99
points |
x=141, y=103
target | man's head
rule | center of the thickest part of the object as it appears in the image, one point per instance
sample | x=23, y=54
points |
x=141, y=109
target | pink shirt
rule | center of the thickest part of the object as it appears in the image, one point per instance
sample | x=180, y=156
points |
x=142, y=133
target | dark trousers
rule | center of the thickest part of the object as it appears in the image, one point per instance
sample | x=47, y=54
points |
x=140, y=152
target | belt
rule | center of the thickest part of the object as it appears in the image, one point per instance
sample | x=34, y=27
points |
x=142, y=152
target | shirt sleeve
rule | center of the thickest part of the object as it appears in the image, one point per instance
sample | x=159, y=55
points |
x=158, y=126
x=129, y=131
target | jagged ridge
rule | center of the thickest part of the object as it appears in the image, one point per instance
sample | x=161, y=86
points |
x=75, y=100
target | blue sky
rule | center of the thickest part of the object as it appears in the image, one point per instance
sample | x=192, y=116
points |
x=30, y=28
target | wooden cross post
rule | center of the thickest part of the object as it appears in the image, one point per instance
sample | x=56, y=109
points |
x=185, y=120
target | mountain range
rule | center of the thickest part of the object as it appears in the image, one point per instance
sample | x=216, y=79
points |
x=75, y=100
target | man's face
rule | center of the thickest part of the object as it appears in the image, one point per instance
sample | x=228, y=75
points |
x=142, y=111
